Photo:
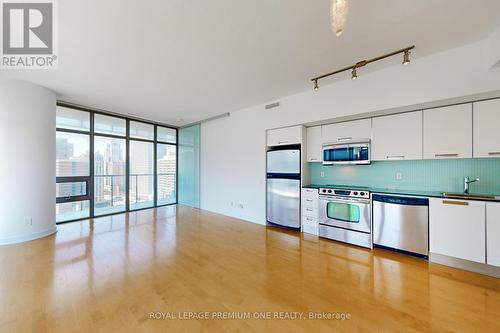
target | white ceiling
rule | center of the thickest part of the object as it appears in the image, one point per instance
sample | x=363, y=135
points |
x=180, y=61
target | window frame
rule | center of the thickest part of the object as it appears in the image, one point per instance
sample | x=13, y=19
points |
x=89, y=180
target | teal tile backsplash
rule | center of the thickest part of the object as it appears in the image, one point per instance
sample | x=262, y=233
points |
x=424, y=175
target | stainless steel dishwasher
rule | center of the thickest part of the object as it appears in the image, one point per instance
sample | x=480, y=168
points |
x=401, y=223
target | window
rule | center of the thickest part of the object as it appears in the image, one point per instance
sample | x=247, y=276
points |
x=141, y=177
x=72, y=154
x=166, y=166
x=72, y=119
x=165, y=134
x=107, y=164
x=70, y=211
x=141, y=130
x=72, y=189
x=109, y=125
x=109, y=175
x=72, y=164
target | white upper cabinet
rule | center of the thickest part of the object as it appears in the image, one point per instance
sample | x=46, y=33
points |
x=347, y=131
x=457, y=229
x=486, y=128
x=284, y=136
x=397, y=137
x=448, y=132
x=493, y=233
x=314, y=144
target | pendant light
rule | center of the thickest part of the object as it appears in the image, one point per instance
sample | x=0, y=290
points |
x=338, y=15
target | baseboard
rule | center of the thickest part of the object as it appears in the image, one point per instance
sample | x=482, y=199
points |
x=28, y=238
x=465, y=265
x=224, y=213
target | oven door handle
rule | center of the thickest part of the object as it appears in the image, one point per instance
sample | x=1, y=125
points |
x=354, y=201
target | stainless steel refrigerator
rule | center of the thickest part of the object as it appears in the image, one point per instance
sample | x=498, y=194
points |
x=283, y=187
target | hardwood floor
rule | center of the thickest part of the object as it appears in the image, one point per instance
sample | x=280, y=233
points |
x=109, y=274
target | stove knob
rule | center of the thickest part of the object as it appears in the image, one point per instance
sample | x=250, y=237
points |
x=329, y=191
x=362, y=193
x=356, y=193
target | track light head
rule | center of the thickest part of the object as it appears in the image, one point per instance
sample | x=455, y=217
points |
x=316, y=87
x=354, y=74
x=406, y=57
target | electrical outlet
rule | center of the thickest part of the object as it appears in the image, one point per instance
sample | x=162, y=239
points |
x=322, y=174
x=399, y=175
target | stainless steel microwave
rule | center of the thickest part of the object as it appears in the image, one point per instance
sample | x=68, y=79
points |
x=346, y=153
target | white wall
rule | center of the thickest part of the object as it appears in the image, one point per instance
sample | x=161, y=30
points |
x=494, y=49
x=27, y=165
x=233, y=148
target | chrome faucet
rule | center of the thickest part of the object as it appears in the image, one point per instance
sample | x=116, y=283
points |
x=467, y=181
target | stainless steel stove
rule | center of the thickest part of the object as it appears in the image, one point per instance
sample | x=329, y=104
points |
x=345, y=215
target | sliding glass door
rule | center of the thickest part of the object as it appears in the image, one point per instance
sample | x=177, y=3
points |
x=141, y=178
x=166, y=162
x=110, y=191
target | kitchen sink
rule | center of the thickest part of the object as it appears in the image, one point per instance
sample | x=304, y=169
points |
x=471, y=196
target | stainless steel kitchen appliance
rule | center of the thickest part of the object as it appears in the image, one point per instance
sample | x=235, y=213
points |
x=401, y=223
x=345, y=215
x=283, y=186
x=352, y=152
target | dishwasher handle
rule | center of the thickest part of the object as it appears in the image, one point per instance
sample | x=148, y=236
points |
x=409, y=201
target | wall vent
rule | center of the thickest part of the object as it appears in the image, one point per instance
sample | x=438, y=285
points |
x=272, y=105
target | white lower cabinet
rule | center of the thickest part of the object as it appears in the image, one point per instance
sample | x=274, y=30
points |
x=458, y=229
x=310, y=202
x=493, y=233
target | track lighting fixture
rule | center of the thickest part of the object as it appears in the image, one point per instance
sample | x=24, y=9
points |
x=353, y=68
x=406, y=57
x=354, y=74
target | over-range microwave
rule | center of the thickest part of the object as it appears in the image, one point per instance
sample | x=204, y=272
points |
x=346, y=153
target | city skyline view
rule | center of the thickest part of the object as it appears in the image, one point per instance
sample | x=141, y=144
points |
x=109, y=195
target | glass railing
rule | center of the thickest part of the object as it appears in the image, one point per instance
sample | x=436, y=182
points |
x=109, y=194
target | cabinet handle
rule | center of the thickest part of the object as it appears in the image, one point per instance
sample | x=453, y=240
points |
x=494, y=153
x=309, y=210
x=395, y=156
x=446, y=155
x=280, y=142
x=459, y=203
x=347, y=138
x=313, y=159
x=309, y=200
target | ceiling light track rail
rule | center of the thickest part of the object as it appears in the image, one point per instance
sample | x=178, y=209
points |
x=362, y=63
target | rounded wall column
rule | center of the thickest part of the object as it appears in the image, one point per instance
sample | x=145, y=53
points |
x=27, y=163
